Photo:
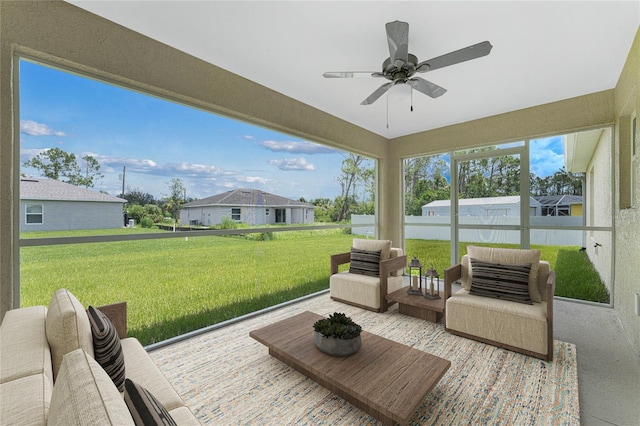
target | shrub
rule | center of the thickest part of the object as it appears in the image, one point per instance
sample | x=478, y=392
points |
x=146, y=222
x=228, y=223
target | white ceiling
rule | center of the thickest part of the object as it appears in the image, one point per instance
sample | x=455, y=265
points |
x=542, y=51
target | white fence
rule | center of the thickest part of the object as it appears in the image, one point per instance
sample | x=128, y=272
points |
x=437, y=228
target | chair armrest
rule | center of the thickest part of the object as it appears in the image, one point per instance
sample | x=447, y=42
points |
x=451, y=274
x=392, y=264
x=339, y=259
x=117, y=314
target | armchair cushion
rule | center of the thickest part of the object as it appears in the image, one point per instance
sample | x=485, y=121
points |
x=365, y=262
x=505, y=257
x=507, y=282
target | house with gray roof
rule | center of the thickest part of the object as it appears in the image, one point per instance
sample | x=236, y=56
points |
x=51, y=205
x=251, y=206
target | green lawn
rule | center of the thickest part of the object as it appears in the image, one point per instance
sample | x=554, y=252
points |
x=173, y=286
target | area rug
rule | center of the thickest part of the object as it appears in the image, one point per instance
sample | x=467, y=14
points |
x=226, y=377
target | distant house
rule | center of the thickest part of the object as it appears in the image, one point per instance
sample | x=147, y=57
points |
x=560, y=205
x=251, y=206
x=490, y=206
x=51, y=205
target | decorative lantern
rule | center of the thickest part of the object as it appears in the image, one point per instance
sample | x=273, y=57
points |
x=415, y=274
x=432, y=292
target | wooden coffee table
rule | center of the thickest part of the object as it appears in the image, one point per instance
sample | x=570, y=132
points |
x=417, y=306
x=386, y=379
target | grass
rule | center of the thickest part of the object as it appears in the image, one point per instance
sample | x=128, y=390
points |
x=173, y=286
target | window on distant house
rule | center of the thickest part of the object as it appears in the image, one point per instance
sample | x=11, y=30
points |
x=235, y=214
x=34, y=214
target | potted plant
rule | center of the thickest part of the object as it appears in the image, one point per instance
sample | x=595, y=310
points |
x=337, y=335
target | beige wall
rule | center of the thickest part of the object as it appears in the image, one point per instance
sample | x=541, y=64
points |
x=599, y=207
x=627, y=220
x=70, y=37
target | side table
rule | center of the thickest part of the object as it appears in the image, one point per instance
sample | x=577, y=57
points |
x=417, y=306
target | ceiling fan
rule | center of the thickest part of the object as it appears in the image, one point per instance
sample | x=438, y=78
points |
x=400, y=66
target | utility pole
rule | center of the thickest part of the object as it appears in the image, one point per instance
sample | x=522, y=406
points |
x=124, y=169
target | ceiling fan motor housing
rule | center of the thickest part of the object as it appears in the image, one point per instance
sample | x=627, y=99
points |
x=399, y=74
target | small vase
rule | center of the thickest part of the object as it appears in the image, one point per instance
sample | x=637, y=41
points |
x=337, y=347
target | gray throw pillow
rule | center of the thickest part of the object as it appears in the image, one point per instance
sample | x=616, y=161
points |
x=506, y=282
x=365, y=262
x=145, y=409
x=106, y=346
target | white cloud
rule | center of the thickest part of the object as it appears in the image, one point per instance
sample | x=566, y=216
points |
x=296, y=147
x=33, y=128
x=298, y=163
x=252, y=179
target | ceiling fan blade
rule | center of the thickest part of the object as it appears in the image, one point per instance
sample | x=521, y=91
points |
x=349, y=74
x=375, y=95
x=398, y=39
x=426, y=87
x=455, y=57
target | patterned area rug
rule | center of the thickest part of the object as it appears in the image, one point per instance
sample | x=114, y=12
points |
x=226, y=377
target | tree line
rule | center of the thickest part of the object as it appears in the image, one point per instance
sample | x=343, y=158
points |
x=499, y=175
x=426, y=180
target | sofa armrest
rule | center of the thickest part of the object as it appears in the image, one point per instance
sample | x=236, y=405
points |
x=117, y=314
x=451, y=275
x=339, y=259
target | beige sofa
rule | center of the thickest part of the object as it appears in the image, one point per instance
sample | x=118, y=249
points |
x=48, y=374
x=524, y=328
x=367, y=291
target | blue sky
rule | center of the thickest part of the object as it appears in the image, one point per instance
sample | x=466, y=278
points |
x=159, y=140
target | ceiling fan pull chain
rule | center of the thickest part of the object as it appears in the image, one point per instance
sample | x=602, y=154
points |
x=411, y=99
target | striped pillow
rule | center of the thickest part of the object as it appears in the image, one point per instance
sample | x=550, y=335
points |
x=106, y=346
x=506, y=282
x=365, y=262
x=145, y=409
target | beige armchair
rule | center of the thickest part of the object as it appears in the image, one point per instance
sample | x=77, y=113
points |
x=526, y=327
x=367, y=286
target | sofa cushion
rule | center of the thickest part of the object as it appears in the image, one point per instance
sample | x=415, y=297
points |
x=184, y=417
x=25, y=401
x=24, y=349
x=372, y=245
x=106, y=346
x=506, y=257
x=365, y=262
x=506, y=282
x=85, y=395
x=67, y=327
x=145, y=409
x=142, y=370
